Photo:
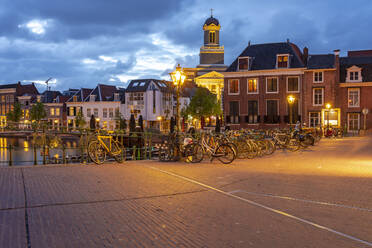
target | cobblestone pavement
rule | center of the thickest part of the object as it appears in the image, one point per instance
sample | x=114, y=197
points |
x=320, y=197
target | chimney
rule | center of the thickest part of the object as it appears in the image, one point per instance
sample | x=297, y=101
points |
x=249, y=43
x=337, y=59
x=305, y=54
x=287, y=40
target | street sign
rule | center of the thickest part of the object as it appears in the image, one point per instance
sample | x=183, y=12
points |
x=365, y=111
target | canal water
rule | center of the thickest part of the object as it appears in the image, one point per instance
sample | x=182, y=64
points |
x=23, y=154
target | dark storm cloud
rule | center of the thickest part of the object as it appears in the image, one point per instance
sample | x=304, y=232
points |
x=85, y=42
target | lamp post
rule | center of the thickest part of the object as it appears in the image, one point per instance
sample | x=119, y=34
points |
x=178, y=78
x=291, y=99
x=328, y=107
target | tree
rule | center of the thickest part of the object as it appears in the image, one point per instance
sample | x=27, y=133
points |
x=79, y=119
x=37, y=112
x=16, y=114
x=92, y=123
x=140, y=122
x=122, y=124
x=204, y=104
x=132, y=124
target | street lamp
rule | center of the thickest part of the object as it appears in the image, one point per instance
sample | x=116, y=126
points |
x=178, y=78
x=328, y=107
x=291, y=99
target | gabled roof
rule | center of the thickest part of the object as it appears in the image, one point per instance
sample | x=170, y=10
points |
x=365, y=63
x=48, y=96
x=321, y=61
x=141, y=85
x=264, y=56
x=81, y=95
x=27, y=89
x=103, y=93
x=209, y=75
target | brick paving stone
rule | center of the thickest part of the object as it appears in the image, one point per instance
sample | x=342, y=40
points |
x=11, y=188
x=67, y=184
x=12, y=229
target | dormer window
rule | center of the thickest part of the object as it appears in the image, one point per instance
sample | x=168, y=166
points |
x=116, y=97
x=74, y=98
x=282, y=61
x=92, y=98
x=243, y=63
x=354, y=74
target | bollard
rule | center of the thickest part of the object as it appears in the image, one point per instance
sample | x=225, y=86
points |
x=44, y=154
x=134, y=153
x=139, y=154
x=10, y=155
x=63, y=154
x=35, y=154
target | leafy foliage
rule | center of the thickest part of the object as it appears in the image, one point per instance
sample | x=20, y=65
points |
x=79, y=120
x=37, y=112
x=204, y=103
x=16, y=114
x=132, y=123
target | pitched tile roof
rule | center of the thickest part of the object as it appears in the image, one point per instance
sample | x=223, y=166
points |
x=141, y=85
x=48, y=96
x=103, y=93
x=363, y=62
x=81, y=95
x=321, y=61
x=264, y=56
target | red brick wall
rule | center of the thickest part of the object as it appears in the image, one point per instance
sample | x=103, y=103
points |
x=328, y=85
x=262, y=96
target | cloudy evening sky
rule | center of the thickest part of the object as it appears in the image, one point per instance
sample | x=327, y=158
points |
x=84, y=42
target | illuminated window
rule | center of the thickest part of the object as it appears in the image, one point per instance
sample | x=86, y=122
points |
x=71, y=111
x=52, y=111
x=96, y=112
x=318, y=77
x=353, y=121
x=89, y=112
x=234, y=86
x=105, y=113
x=282, y=61
x=74, y=98
x=252, y=86
x=58, y=111
x=353, y=97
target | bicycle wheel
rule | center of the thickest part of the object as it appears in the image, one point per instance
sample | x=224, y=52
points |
x=270, y=147
x=225, y=154
x=253, y=149
x=194, y=154
x=293, y=145
x=118, y=152
x=96, y=152
x=242, y=149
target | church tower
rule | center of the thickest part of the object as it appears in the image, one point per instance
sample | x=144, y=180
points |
x=211, y=53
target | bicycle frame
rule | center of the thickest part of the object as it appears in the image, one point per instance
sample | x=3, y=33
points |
x=101, y=139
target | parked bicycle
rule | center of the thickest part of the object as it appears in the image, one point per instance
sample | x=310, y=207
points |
x=104, y=145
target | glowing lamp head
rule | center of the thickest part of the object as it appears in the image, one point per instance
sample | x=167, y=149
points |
x=328, y=106
x=55, y=121
x=291, y=99
x=158, y=118
x=97, y=119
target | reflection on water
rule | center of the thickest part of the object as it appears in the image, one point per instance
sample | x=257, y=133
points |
x=23, y=152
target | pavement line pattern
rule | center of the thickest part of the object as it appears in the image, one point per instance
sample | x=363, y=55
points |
x=302, y=200
x=264, y=207
x=26, y=212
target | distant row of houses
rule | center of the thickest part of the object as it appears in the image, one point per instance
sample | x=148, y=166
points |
x=151, y=98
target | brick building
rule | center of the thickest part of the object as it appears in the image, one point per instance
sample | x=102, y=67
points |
x=259, y=81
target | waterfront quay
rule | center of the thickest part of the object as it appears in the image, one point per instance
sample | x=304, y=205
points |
x=317, y=197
